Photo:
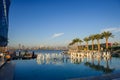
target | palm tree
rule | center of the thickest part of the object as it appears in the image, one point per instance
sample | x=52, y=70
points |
x=70, y=44
x=106, y=35
x=92, y=37
x=80, y=41
x=98, y=37
x=86, y=39
x=77, y=40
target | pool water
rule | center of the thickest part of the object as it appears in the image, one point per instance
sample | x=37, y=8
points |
x=64, y=68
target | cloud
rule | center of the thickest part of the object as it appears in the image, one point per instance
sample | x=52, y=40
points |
x=57, y=35
x=117, y=29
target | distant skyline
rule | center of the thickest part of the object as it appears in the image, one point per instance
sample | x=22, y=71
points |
x=57, y=22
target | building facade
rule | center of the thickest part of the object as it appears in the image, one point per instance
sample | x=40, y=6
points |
x=4, y=22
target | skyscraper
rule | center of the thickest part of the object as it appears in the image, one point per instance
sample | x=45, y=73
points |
x=4, y=23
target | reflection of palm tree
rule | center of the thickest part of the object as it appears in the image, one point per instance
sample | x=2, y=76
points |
x=86, y=39
x=107, y=69
x=99, y=61
x=92, y=37
x=99, y=67
x=87, y=63
x=93, y=60
x=107, y=64
x=77, y=61
x=106, y=35
x=98, y=37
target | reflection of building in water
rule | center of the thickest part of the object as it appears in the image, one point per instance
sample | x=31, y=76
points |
x=76, y=58
x=92, y=60
x=53, y=58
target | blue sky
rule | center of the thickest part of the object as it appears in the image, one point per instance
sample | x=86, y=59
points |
x=57, y=22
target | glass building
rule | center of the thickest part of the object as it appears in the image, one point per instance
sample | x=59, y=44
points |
x=4, y=23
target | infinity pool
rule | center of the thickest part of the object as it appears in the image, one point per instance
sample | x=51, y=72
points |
x=64, y=68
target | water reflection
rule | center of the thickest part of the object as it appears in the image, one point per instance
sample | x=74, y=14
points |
x=51, y=58
x=95, y=63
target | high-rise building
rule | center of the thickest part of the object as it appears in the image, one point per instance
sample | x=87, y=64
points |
x=4, y=22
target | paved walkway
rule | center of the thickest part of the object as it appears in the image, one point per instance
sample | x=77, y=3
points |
x=115, y=76
x=1, y=63
x=7, y=71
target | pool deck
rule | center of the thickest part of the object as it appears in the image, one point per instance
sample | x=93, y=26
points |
x=1, y=64
x=7, y=71
x=115, y=76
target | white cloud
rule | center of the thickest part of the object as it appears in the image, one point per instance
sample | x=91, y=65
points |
x=117, y=29
x=57, y=35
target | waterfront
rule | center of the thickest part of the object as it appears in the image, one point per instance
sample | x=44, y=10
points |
x=64, y=68
x=34, y=33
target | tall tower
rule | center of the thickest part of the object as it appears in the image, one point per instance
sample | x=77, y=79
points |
x=4, y=22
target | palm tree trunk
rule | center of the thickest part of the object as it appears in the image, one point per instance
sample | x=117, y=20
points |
x=106, y=43
x=87, y=45
x=80, y=46
x=92, y=45
x=98, y=45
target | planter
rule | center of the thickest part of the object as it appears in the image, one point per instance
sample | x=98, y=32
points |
x=8, y=57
